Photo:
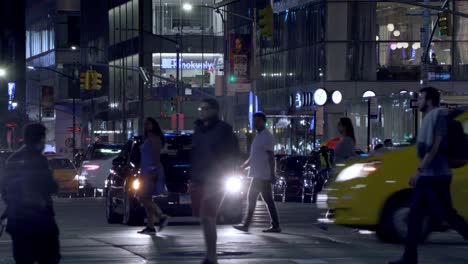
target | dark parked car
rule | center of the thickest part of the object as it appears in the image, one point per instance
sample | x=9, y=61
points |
x=123, y=183
x=295, y=179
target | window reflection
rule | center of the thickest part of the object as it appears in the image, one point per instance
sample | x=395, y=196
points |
x=169, y=18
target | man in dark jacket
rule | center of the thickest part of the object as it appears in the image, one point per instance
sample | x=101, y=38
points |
x=27, y=190
x=215, y=152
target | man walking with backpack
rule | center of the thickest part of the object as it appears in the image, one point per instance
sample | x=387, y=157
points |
x=27, y=190
x=432, y=180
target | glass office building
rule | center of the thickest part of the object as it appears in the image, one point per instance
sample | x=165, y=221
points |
x=373, y=46
x=143, y=34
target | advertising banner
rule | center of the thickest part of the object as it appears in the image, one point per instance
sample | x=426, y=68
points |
x=11, y=95
x=240, y=55
x=47, y=102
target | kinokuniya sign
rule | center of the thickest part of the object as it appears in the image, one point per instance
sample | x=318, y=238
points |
x=190, y=64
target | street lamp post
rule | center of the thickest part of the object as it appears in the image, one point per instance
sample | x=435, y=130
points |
x=253, y=21
x=91, y=133
x=141, y=89
x=75, y=87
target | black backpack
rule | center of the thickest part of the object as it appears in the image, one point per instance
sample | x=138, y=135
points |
x=457, y=142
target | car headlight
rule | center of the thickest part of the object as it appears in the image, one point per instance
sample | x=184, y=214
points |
x=136, y=184
x=79, y=178
x=233, y=184
x=359, y=170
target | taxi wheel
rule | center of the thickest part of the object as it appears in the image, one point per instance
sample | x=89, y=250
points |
x=393, y=225
x=132, y=215
x=111, y=216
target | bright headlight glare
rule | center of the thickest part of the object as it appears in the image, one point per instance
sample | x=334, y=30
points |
x=136, y=184
x=233, y=184
x=356, y=171
x=80, y=178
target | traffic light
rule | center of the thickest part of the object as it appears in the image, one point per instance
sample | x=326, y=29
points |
x=266, y=21
x=444, y=24
x=232, y=78
x=85, y=80
x=96, y=80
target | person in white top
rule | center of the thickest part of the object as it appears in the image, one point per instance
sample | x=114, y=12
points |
x=262, y=172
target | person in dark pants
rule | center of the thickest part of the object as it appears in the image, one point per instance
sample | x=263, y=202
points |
x=262, y=172
x=27, y=190
x=432, y=180
x=215, y=151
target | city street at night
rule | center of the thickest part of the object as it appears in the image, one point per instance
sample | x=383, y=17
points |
x=87, y=238
x=143, y=131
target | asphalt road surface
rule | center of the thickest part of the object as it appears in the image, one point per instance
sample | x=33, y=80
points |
x=87, y=238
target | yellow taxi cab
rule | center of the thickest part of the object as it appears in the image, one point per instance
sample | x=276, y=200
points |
x=65, y=174
x=373, y=192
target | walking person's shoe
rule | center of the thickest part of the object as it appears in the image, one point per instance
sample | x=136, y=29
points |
x=241, y=227
x=272, y=230
x=148, y=231
x=163, y=222
x=404, y=260
x=206, y=261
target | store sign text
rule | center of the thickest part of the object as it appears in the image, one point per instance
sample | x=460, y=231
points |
x=170, y=63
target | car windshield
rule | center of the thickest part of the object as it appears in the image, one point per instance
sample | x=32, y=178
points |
x=176, y=142
x=105, y=152
x=295, y=164
x=61, y=164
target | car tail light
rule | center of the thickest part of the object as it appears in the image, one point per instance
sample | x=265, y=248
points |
x=91, y=167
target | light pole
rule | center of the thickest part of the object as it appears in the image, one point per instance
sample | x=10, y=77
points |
x=141, y=91
x=75, y=87
x=89, y=48
x=188, y=7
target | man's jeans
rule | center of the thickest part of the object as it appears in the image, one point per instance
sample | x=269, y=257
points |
x=431, y=197
x=264, y=188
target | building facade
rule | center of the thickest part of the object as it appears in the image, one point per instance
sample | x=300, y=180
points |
x=374, y=47
x=12, y=79
x=143, y=36
x=53, y=59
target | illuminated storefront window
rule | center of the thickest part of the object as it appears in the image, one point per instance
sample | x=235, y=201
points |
x=198, y=70
x=169, y=18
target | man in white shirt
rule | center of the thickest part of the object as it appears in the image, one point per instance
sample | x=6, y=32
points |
x=262, y=172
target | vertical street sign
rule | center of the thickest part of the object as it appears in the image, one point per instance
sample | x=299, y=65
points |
x=240, y=56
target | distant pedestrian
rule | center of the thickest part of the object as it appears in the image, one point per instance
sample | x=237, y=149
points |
x=388, y=143
x=434, y=60
x=346, y=148
x=432, y=180
x=322, y=175
x=215, y=152
x=262, y=171
x=79, y=157
x=27, y=190
x=152, y=176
